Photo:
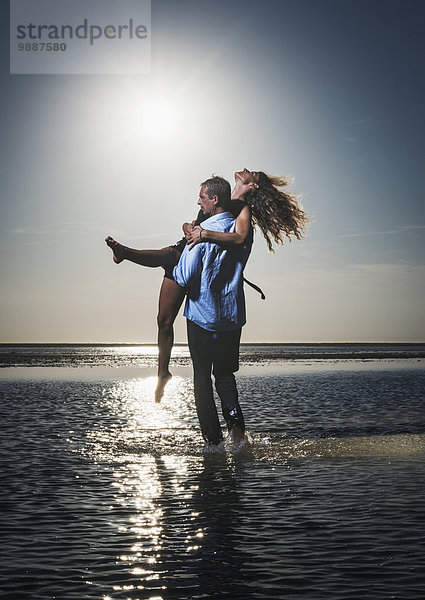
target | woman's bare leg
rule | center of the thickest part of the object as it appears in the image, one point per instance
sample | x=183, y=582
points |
x=171, y=297
x=147, y=258
x=170, y=300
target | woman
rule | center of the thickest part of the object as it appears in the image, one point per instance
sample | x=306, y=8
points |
x=259, y=200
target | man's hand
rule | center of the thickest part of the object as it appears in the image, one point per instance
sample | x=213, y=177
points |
x=194, y=236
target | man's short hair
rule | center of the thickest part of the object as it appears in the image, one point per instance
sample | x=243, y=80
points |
x=220, y=187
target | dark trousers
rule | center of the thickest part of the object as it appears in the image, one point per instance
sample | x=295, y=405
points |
x=219, y=352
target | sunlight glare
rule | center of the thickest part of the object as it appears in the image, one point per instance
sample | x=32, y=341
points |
x=160, y=119
x=138, y=117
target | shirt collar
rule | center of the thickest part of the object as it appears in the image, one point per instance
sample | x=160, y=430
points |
x=219, y=217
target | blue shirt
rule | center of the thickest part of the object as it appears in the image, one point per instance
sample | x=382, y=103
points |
x=213, y=278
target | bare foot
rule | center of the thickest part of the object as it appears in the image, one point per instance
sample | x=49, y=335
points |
x=237, y=435
x=116, y=248
x=160, y=386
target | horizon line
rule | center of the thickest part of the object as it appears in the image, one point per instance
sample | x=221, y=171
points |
x=182, y=344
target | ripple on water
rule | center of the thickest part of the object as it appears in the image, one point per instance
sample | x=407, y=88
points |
x=105, y=494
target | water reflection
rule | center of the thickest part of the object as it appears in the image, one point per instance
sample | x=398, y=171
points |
x=106, y=495
x=175, y=512
x=131, y=422
x=181, y=533
x=217, y=503
x=180, y=525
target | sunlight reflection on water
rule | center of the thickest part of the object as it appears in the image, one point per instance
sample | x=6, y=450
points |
x=109, y=495
x=166, y=494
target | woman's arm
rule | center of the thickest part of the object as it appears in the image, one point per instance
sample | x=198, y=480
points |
x=237, y=238
x=187, y=229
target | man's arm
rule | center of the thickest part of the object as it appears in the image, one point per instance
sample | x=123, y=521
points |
x=189, y=266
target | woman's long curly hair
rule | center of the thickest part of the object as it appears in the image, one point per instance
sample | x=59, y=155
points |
x=276, y=211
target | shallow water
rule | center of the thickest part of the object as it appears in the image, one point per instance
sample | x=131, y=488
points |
x=107, y=495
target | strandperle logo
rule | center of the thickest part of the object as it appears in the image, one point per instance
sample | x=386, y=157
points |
x=80, y=37
x=82, y=32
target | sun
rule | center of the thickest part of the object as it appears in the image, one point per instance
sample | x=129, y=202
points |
x=145, y=118
x=153, y=117
x=160, y=118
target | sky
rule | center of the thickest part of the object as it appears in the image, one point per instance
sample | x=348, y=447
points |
x=329, y=92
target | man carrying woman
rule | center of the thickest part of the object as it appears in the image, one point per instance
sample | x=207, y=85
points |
x=257, y=200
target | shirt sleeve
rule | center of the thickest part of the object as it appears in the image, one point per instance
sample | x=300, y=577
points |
x=189, y=266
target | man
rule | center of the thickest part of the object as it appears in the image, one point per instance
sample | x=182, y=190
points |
x=215, y=310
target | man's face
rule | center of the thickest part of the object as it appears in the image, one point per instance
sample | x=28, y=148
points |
x=207, y=204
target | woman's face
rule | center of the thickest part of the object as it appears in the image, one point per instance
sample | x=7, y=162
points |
x=245, y=177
